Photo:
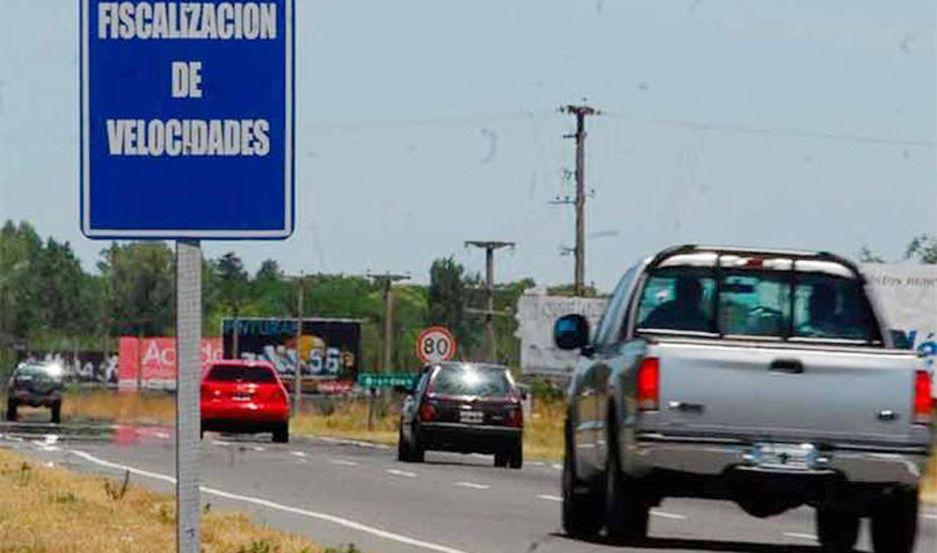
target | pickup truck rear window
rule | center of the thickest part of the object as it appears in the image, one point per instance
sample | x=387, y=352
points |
x=755, y=302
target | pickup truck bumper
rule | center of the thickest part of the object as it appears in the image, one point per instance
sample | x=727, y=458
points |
x=712, y=457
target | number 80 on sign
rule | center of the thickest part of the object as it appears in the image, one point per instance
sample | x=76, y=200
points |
x=435, y=344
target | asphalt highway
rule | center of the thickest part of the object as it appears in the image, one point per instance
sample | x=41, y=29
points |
x=339, y=492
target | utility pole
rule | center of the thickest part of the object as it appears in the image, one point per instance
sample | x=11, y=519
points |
x=581, y=112
x=489, y=246
x=297, y=370
x=386, y=281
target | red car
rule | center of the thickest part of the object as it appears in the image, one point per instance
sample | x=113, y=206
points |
x=245, y=396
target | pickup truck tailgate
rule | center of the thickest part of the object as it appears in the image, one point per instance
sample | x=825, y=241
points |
x=767, y=392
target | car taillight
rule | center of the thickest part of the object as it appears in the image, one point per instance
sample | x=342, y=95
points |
x=427, y=412
x=648, y=385
x=923, y=401
x=515, y=417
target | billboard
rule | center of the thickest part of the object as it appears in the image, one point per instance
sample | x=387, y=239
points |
x=79, y=366
x=328, y=348
x=907, y=294
x=536, y=313
x=152, y=361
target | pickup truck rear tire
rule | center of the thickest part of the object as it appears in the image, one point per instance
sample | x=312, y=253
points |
x=894, y=521
x=626, y=510
x=837, y=528
x=56, y=412
x=11, y=411
x=582, y=506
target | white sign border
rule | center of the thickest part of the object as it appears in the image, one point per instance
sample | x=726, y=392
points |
x=85, y=156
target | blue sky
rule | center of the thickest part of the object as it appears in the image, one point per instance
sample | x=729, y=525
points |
x=423, y=124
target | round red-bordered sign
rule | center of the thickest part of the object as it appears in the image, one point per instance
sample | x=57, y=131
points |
x=435, y=344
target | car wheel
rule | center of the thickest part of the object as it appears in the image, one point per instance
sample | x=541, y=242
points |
x=894, y=521
x=582, y=506
x=56, y=413
x=837, y=528
x=501, y=459
x=403, y=453
x=417, y=452
x=626, y=511
x=281, y=434
x=11, y=411
x=516, y=459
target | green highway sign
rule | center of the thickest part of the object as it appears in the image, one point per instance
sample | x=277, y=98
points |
x=385, y=380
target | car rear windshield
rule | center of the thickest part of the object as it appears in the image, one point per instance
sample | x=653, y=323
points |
x=471, y=381
x=775, y=304
x=230, y=373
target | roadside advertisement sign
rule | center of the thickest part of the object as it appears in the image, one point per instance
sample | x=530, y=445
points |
x=152, y=362
x=328, y=348
x=435, y=344
x=536, y=313
x=907, y=293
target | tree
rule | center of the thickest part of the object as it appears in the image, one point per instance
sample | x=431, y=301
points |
x=139, y=287
x=868, y=256
x=232, y=283
x=924, y=248
x=447, y=299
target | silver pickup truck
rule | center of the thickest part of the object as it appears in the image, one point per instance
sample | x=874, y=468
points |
x=762, y=377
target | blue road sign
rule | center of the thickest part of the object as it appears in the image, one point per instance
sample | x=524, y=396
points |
x=187, y=119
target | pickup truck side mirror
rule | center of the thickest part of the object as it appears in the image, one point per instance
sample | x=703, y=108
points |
x=571, y=332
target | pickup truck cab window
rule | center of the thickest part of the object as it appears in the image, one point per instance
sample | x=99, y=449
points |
x=831, y=307
x=677, y=298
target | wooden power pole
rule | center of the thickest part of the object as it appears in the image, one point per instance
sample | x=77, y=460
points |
x=489, y=246
x=386, y=281
x=581, y=112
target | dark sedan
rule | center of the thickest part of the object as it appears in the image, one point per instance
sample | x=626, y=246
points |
x=465, y=408
x=35, y=385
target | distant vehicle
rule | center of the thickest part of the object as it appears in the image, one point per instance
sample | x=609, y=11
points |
x=465, y=408
x=245, y=397
x=761, y=377
x=35, y=385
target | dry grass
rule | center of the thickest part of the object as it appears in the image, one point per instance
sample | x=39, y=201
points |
x=51, y=510
x=123, y=408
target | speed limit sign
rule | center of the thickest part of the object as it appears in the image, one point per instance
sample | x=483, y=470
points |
x=435, y=344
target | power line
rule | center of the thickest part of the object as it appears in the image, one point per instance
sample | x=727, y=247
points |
x=743, y=129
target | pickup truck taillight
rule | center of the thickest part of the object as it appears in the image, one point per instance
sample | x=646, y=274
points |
x=923, y=402
x=648, y=385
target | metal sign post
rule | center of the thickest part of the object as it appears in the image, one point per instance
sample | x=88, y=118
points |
x=188, y=417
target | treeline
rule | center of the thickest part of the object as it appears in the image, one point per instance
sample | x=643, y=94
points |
x=49, y=302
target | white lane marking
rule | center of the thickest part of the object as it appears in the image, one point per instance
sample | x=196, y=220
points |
x=221, y=443
x=801, y=536
x=396, y=472
x=347, y=523
x=163, y=435
x=930, y=516
x=298, y=453
x=259, y=448
x=343, y=462
x=549, y=497
x=557, y=466
x=535, y=463
x=473, y=485
x=665, y=514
